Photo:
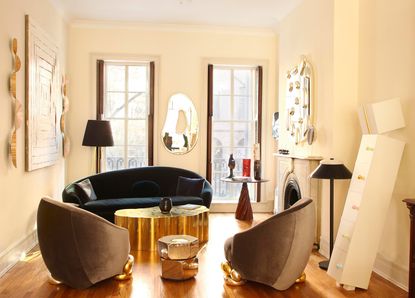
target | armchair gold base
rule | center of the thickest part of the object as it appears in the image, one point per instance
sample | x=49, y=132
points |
x=127, y=270
x=232, y=277
x=301, y=279
x=53, y=281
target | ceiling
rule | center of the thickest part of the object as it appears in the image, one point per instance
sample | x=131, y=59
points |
x=240, y=13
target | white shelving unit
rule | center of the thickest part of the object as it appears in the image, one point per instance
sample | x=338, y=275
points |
x=365, y=211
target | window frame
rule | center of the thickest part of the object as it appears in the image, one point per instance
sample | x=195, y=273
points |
x=101, y=77
x=259, y=112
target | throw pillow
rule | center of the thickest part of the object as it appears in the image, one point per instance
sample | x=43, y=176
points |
x=85, y=191
x=145, y=188
x=189, y=186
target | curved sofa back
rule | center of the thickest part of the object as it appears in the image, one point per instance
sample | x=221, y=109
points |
x=117, y=184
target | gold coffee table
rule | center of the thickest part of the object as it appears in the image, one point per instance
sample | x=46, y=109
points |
x=147, y=225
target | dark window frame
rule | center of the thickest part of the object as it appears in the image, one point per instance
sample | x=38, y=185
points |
x=259, y=73
x=150, y=115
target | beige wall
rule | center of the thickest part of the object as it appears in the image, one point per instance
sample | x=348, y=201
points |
x=182, y=54
x=387, y=70
x=21, y=191
x=308, y=31
x=362, y=51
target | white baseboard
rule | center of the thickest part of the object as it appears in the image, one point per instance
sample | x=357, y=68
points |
x=324, y=247
x=13, y=254
x=390, y=271
x=230, y=206
x=396, y=274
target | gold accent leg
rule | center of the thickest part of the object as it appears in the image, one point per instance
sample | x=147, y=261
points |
x=231, y=277
x=53, y=281
x=301, y=279
x=127, y=270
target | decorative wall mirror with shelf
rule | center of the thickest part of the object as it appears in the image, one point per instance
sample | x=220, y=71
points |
x=181, y=125
x=299, y=105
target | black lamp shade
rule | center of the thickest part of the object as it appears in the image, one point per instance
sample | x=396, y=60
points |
x=98, y=133
x=331, y=169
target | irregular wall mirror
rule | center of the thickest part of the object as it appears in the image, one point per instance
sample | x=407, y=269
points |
x=181, y=126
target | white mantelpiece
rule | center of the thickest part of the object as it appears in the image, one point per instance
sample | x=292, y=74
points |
x=299, y=168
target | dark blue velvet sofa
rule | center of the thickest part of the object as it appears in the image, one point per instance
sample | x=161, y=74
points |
x=114, y=190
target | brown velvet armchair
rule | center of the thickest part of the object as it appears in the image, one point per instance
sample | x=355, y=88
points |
x=80, y=248
x=274, y=252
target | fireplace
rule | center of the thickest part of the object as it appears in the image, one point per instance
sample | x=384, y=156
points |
x=293, y=183
x=291, y=191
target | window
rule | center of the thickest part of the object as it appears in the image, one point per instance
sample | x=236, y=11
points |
x=234, y=124
x=127, y=102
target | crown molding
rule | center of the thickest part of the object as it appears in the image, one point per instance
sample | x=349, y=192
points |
x=93, y=24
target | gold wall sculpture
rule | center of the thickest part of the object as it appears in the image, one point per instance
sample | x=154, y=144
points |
x=17, y=105
x=65, y=108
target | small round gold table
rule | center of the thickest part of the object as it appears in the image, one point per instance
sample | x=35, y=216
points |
x=147, y=225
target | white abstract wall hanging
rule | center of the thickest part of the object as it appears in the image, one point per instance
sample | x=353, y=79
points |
x=299, y=103
x=42, y=98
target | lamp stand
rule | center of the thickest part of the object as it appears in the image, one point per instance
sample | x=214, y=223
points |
x=98, y=157
x=325, y=264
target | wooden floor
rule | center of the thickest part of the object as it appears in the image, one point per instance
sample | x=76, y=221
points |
x=29, y=277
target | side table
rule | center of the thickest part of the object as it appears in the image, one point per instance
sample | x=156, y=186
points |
x=410, y=203
x=244, y=209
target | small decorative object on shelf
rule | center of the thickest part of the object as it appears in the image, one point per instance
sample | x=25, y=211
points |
x=231, y=165
x=165, y=205
x=246, y=167
x=257, y=169
x=257, y=162
x=283, y=151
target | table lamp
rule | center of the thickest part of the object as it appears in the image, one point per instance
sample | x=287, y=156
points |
x=330, y=169
x=98, y=134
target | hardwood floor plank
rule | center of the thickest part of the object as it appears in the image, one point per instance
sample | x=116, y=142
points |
x=30, y=278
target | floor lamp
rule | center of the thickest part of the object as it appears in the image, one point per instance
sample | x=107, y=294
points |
x=330, y=169
x=98, y=134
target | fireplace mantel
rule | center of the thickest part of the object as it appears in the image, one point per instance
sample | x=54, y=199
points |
x=299, y=168
x=298, y=156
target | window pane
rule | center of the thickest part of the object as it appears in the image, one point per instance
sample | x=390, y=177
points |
x=137, y=132
x=221, y=81
x=115, y=77
x=114, y=158
x=115, y=105
x=220, y=135
x=117, y=127
x=242, y=135
x=222, y=108
x=242, y=82
x=137, y=105
x=233, y=127
x=137, y=156
x=137, y=78
x=243, y=108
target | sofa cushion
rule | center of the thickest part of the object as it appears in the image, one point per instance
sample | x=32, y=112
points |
x=85, y=191
x=127, y=203
x=189, y=186
x=121, y=203
x=145, y=188
x=183, y=200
